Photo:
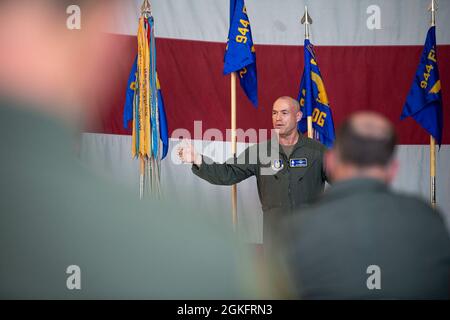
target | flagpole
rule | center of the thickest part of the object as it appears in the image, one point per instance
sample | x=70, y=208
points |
x=433, y=9
x=433, y=171
x=233, y=148
x=306, y=20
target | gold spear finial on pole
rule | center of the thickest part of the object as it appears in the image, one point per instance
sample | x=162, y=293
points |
x=433, y=8
x=146, y=9
x=306, y=20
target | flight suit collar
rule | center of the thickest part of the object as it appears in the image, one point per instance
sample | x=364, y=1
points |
x=299, y=171
x=300, y=142
x=355, y=185
x=279, y=160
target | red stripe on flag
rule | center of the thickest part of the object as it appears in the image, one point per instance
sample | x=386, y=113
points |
x=356, y=77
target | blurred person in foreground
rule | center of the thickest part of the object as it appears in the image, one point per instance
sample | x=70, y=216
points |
x=362, y=240
x=55, y=215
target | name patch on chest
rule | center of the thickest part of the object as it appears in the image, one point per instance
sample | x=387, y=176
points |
x=298, y=163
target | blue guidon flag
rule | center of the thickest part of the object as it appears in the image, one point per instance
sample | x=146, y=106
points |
x=424, y=101
x=314, y=101
x=240, y=56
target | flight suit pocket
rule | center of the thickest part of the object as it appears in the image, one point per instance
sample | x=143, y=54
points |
x=271, y=188
x=307, y=183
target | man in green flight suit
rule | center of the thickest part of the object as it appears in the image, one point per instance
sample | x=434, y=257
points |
x=289, y=170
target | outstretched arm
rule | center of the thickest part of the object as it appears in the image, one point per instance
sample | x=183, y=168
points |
x=229, y=173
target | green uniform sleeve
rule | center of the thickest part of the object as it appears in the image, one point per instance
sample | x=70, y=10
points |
x=228, y=173
x=324, y=169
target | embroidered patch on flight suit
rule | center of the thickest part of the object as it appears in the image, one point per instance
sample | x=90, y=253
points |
x=277, y=164
x=298, y=163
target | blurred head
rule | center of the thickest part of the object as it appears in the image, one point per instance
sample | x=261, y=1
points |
x=364, y=147
x=43, y=61
x=285, y=115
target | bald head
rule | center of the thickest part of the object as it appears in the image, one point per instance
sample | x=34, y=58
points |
x=366, y=139
x=288, y=101
x=285, y=115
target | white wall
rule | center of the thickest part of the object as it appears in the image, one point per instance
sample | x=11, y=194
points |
x=110, y=156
